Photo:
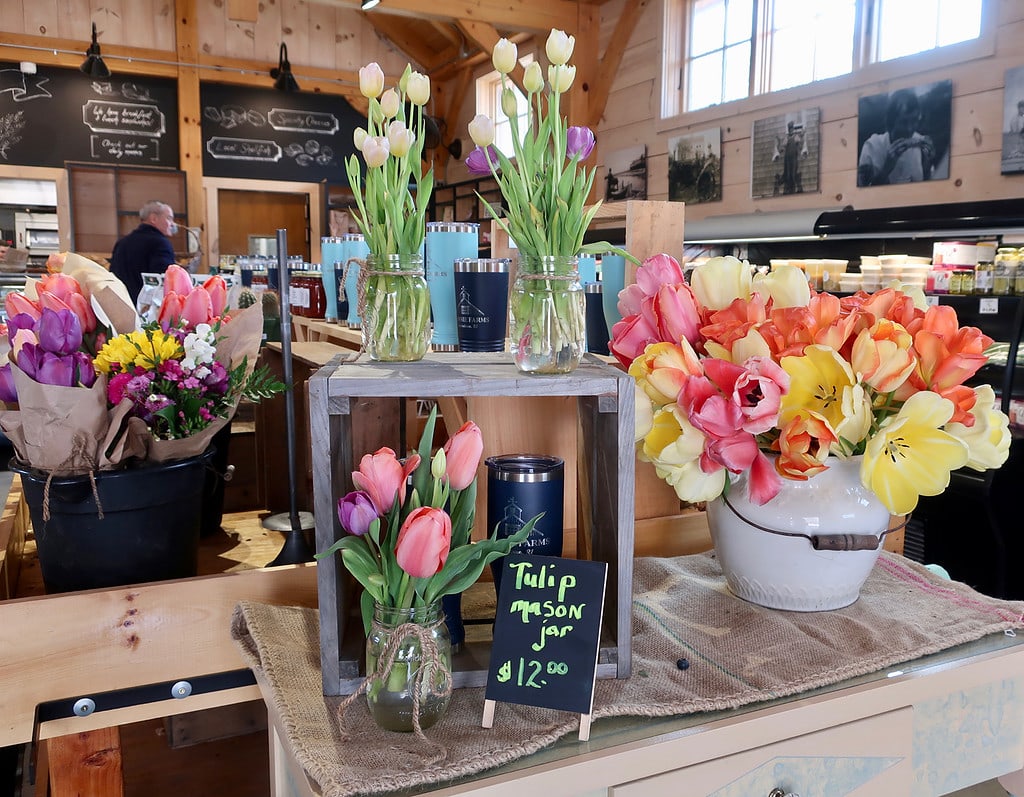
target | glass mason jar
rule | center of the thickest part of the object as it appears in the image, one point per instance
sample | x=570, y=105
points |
x=422, y=662
x=396, y=311
x=547, y=315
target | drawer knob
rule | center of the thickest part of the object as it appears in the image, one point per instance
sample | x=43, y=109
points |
x=777, y=792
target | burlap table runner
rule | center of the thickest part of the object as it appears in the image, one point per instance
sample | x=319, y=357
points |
x=739, y=653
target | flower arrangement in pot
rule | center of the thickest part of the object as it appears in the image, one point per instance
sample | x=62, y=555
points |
x=751, y=389
x=394, y=301
x=544, y=191
x=113, y=423
x=407, y=541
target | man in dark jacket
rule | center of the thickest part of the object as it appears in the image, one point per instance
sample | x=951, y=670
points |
x=146, y=249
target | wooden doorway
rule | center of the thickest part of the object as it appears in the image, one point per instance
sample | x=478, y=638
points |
x=244, y=213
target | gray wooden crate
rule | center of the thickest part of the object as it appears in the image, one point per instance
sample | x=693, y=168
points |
x=345, y=406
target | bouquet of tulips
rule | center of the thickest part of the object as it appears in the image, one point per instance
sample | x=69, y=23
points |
x=409, y=547
x=94, y=391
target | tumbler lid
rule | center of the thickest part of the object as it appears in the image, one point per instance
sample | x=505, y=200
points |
x=525, y=467
x=452, y=226
x=482, y=264
x=351, y=236
x=593, y=287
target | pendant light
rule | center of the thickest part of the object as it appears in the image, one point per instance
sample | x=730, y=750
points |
x=284, y=80
x=93, y=65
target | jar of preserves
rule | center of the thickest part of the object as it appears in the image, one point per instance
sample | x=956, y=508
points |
x=1004, y=273
x=259, y=282
x=983, y=278
x=955, y=281
x=317, y=294
x=967, y=281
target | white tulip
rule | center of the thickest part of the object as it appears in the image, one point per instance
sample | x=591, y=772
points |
x=561, y=78
x=505, y=56
x=400, y=138
x=418, y=88
x=481, y=130
x=533, y=80
x=358, y=137
x=390, y=103
x=376, y=150
x=559, y=47
x=509, y=105
x=371, y=80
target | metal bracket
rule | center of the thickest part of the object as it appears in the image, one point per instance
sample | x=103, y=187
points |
x=84, y=706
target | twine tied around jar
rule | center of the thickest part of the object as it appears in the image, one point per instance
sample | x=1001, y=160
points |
x=430, y=665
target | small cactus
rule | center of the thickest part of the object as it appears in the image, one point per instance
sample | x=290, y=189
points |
x=246, y=298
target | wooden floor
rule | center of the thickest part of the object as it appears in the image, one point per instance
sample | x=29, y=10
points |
x=224, y=752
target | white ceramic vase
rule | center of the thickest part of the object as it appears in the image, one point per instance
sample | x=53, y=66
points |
x=787, y=572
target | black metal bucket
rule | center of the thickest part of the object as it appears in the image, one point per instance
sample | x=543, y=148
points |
x=149, y=529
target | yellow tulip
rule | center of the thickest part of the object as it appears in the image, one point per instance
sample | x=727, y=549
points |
x=818, y=380
x=911, y=455
x=988, y=440
x=721, y=280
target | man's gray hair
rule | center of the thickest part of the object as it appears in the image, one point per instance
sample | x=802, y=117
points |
x=151, y=207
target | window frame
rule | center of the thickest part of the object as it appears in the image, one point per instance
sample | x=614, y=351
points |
x=488, y=86
x=865, y=71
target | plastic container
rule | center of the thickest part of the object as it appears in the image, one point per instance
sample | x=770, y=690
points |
x=149, y=529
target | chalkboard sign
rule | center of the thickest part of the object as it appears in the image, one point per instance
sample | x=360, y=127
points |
x=273, y=135
x=59, y=115
x=547, y=632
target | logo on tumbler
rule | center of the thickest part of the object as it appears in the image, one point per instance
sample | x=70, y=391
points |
x=472, y=316
x=512, y=520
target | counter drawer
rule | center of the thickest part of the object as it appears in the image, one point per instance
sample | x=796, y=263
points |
x=867, y=757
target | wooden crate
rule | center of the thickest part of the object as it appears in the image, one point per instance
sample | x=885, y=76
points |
x=604, y=413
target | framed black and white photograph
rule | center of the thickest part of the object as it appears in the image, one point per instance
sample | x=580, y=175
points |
x=626, y=174
x=695, y=167
x=1013, y=122
x=903, y=136
x=786, y=154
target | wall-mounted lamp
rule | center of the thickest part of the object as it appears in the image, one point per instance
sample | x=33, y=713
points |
x=93, y=65
x=284, y=80
x=368, y=4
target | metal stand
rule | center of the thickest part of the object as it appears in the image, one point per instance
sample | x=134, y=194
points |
x=294, y=524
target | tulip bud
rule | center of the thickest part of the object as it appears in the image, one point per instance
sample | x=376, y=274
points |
x=358, y=137
x=390, y=103
x=403, y=80
x=371, y=80
x=400, y=138
x=438, y=465
x=561, y=78
x=559, y=47
x=533, y=80
x=509, y=103
x=356, y=512
x=579, y=141
x=505, y=56
x=418, y=87
x=376, y=150
x=481, y=130
x=481, y=160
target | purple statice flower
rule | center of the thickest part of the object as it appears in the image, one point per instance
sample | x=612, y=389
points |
x=477, y=160
x=579, y=141
x=156, y=402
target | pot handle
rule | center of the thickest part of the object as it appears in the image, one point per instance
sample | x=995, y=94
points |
x=845, y=542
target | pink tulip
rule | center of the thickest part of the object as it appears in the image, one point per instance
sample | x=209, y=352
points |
x=356, y=513
x=170, y=310
x=424, y=541
x=676, y=311
x=630, y=337
x=177, y=280
x=218, y=290
x=383, y=478
x=197, y=309
x=462, y=455
x=15, y=303
x=765, y=482
x=81, y=308
x=60, y=285
x=756, y=388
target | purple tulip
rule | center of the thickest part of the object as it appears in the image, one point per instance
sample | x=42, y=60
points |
x=8, y=392
x=86, y=376
x=477, y=160
x=28, y=359
x=579, y=141
x=56, y=369
x=19, y=321
x=59, y=332
x=356, y=512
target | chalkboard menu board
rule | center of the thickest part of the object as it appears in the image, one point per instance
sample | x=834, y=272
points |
x=59, y=115
x=273, y=135
x=546, y=632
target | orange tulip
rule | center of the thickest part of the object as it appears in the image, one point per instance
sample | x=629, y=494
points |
x=883, y=356
x=803, y=445
x=15, y=303
x=218, y=290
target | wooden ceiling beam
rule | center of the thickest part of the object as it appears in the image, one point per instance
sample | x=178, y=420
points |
x=503, y=14
x=403, y=35
x=601, y=87
x=453, y=67
x=485, y=37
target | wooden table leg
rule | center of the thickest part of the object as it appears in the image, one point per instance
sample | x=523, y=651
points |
x=86, y=763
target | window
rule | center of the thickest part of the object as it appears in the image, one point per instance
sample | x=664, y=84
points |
x=734, y=49
x=488, y=101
